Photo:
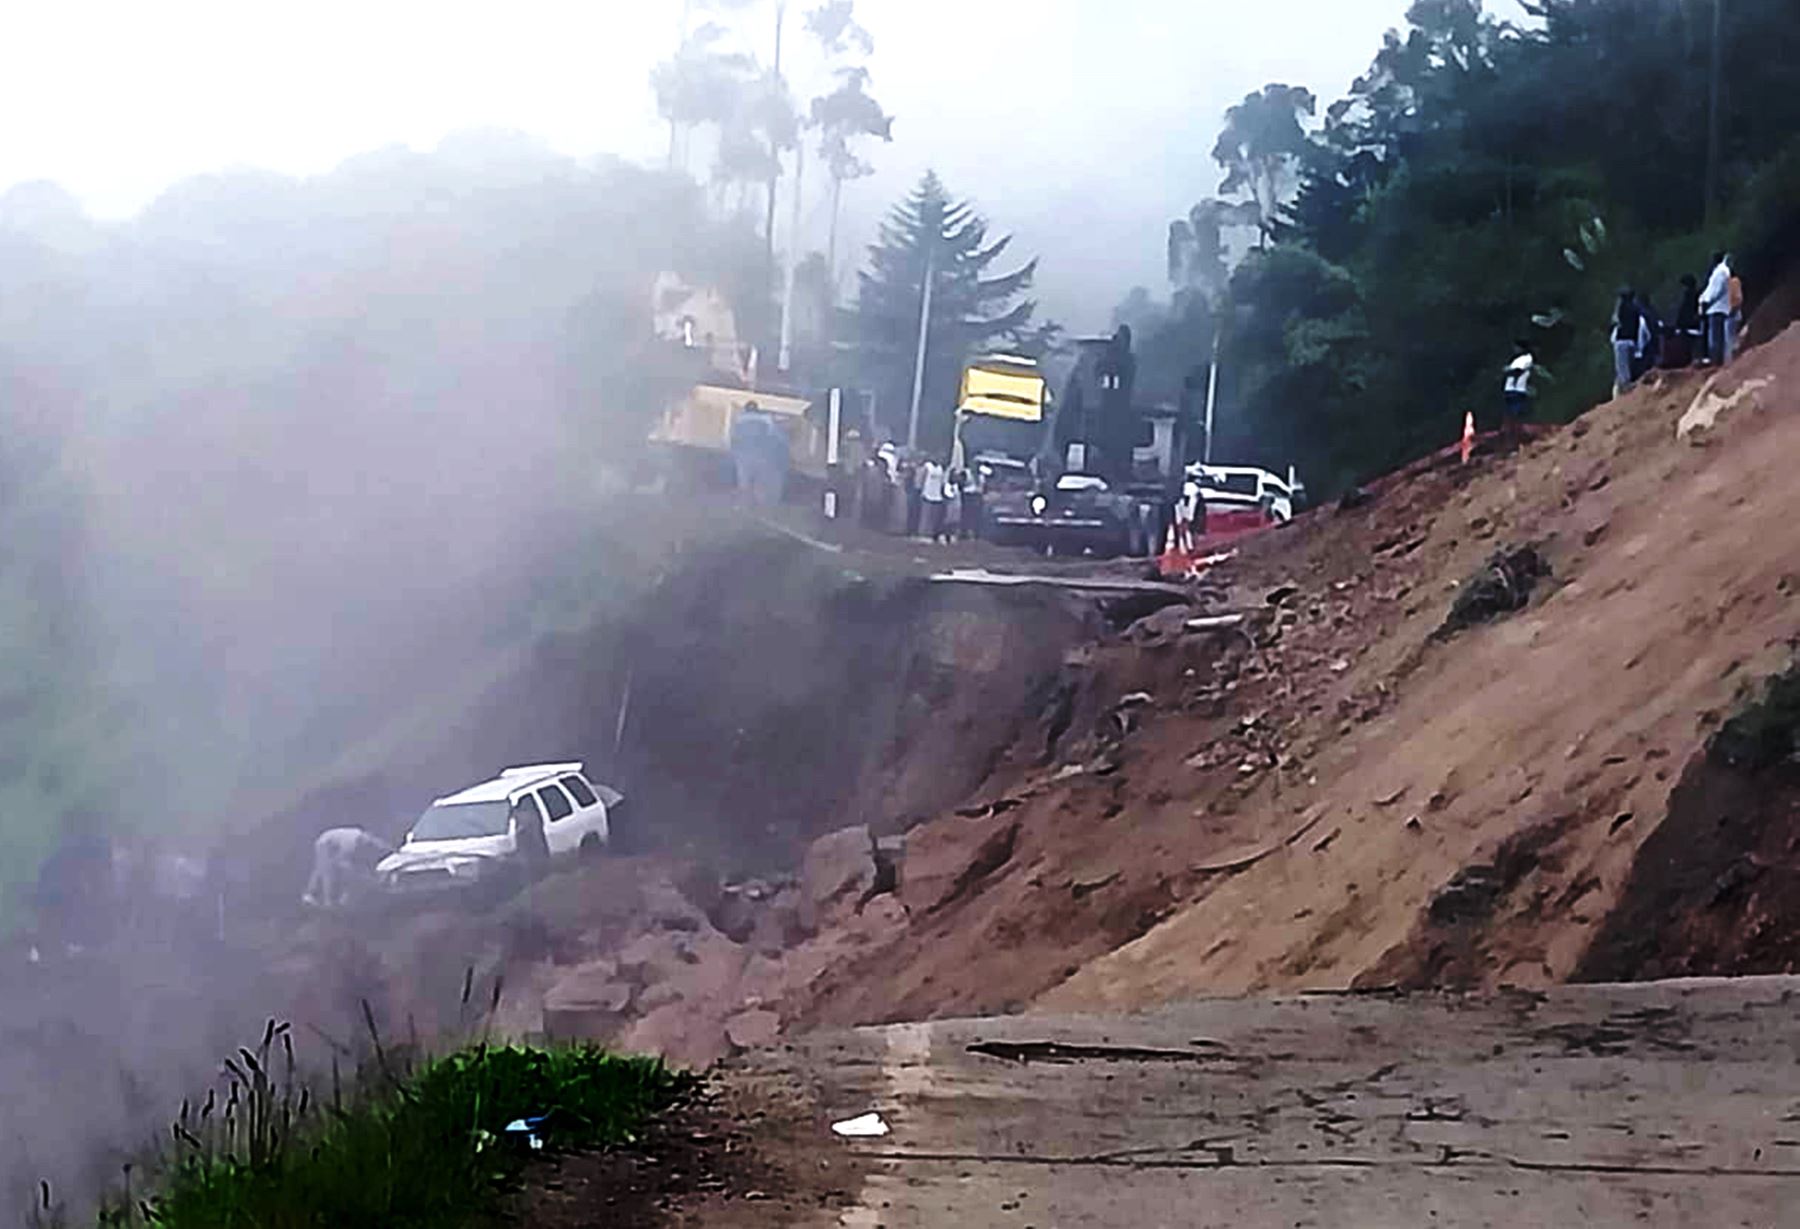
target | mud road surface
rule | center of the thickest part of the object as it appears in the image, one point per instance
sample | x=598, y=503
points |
x=1659, y=1104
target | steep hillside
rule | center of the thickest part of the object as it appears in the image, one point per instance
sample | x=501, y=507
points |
x=1332, y=794
x=1483, y=825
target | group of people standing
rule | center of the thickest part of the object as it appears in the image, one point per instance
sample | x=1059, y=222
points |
x=919, y=497
x=1704, y=329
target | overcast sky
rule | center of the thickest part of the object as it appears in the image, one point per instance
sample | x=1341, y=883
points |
x=1081, y=125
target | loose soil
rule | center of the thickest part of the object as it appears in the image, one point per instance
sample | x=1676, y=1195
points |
x=731, y=1155
x=1715, y=889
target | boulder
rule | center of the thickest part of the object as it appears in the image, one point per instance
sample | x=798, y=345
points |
x=678, y=1034
x=881, y=919
x=752, y=1030
x=778, y=925
x=700, y=886
x=765, y=980
x=519, y=1015
x=839, y=873
x=653, y=956
x=945, y=860
x=587, y=1002
x=668, y=907
x=711, y=967
x=738, y=909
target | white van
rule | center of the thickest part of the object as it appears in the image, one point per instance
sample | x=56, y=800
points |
x=1229, y=485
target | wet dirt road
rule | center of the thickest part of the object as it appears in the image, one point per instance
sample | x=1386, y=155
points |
x=1663, y=1104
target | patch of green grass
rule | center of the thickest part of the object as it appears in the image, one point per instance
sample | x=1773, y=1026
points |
x=416, y=1143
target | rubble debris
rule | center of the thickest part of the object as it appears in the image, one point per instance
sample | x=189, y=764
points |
x=1706, y=408
x=945, y=860
x=778, y=925
x=588, y=1002
x=752, y=1030
x=1470, y=896
x=1399, y=548
x=1503, y=585
x=1080, y=889
x=998, y=807
x=676, y=1031
x=740, y=907
x=838, y=876
x=1207, y=623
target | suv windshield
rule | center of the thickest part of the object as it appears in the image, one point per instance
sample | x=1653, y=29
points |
x=462, y=821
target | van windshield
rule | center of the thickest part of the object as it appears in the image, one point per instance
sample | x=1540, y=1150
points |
x=462, y=821
x=1232, y=484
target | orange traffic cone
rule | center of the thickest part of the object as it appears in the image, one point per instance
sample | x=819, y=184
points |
x=1175, y=561
x=1468, y=440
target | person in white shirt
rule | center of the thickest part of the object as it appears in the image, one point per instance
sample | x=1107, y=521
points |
x=951, y=521
x=1518, y=388
x=1715, y=301
x=932, y=479
x=1186, y=509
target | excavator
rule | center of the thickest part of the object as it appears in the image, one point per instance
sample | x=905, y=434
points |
x=1108, y=472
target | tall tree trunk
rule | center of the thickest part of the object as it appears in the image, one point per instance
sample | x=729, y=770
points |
x=837, y=207
x=1714, y=121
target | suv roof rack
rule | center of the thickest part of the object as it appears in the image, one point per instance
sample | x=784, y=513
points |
x=540, y=770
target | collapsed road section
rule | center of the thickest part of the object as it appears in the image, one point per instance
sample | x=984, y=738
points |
x=1603, y=1105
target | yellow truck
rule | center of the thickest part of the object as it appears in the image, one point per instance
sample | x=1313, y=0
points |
x=701, y=421
x=1001, y=409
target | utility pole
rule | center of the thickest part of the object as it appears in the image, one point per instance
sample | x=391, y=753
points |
x=774, y=149
x=1714, y=119
x=793, y=258
x=918, y=388
x=1212, y=391
x=687, y=12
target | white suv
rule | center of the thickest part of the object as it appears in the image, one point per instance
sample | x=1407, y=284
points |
x=525, y=815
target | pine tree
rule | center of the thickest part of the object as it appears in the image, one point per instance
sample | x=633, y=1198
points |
x=970, y=311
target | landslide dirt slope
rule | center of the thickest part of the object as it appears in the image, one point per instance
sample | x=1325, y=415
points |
x=1336, y=798
x=1487, y=820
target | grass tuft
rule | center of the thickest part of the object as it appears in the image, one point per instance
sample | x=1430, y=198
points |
x=411, y=1141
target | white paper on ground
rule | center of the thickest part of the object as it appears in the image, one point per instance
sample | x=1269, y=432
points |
x=868, y=1126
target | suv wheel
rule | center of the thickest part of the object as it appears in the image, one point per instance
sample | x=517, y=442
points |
x=591, y=846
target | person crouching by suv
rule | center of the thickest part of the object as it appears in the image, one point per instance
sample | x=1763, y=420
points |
x=344, y=861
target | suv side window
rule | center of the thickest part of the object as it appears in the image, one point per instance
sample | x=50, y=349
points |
x=556, y=803
x=584, y=797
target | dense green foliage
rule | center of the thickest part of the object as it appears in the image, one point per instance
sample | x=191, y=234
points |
x=1485, y=180
x=426, y=1145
